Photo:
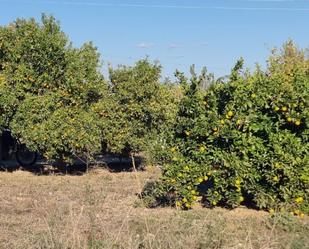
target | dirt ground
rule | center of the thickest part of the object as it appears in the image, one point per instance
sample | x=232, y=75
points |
x=101, y=209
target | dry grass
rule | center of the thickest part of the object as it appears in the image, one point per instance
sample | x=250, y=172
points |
x=101, y=210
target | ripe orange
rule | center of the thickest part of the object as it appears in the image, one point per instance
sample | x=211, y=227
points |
x=200, y=179
x=230, y=113
x=299, y=200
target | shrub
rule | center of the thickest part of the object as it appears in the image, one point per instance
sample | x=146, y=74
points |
x=144, y=109
x=48, y=89
x=244, y=141
x=55, y=100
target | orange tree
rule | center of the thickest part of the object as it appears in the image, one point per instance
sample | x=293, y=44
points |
x=48, y=89
x=142, y=109
x=54, y=99
x=244, y=141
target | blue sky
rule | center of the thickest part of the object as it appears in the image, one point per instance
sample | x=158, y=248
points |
x=178, y=33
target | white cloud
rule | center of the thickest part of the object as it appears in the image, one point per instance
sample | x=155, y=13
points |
x=145, y=45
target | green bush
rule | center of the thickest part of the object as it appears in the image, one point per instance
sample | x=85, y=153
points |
x=244, y=141
x=55, y=100
x=143, y=110
x=48, y=89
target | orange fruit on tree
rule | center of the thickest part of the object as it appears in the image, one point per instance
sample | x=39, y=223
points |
x=297, y=122
x=230, y=113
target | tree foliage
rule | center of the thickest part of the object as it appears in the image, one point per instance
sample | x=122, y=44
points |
x=55, y=100
x=244, y=141
x=143, y=108
x=48, y=88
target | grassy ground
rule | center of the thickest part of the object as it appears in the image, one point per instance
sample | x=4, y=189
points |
x=101, y=210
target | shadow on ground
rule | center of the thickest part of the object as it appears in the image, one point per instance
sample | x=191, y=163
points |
x=113, y=163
